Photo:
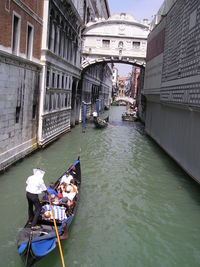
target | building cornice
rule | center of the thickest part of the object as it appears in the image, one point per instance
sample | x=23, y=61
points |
x=47, y=55
x=13, y=59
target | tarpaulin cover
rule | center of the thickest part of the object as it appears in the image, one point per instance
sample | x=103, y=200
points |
x=40, y=247
x=43, y=247
x=22, y=248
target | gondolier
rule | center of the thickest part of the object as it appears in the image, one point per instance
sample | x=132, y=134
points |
x=34, y=186
x=34, y=245
x=101, y=123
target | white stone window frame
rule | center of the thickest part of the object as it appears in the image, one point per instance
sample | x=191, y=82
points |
x=50, y=78
x=7, y=5
x=70, y=83
x=32, y=38
x=62, y=100
x=69, y=100
x=62, y=80
x=66, y=81
x=46, y=103
x=54, y=101
x=15, y=14
x=65, y=100
x=53, y=81
x=58, y=80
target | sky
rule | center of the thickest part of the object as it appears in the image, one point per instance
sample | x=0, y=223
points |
x=139, y=9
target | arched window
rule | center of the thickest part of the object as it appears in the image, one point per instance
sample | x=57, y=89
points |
x=55, y=38
x=121, y=44
x=88, y=14
x=57, y=35
x=59, y=102
x=51, y=31
x=62, y=36
x=66, y=100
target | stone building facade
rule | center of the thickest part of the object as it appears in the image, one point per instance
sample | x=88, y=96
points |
x=97, y=87
x=120, y=38
x=172, y=83
x=96, y=79
x=20, y=51
x=42, y=86
x=61, y=73
x=63, y=88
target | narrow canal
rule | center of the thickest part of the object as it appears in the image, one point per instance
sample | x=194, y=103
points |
x=137, y=207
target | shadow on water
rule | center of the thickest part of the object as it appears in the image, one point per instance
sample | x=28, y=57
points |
x=186, y=182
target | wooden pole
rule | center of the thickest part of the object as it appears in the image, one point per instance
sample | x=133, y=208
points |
x=58, y=238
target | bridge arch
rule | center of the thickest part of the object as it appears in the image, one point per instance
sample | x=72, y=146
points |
x=119, y=39
x=126, y=99
x=109, y=59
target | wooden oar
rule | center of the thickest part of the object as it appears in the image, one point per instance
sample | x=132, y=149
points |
x=58, y=238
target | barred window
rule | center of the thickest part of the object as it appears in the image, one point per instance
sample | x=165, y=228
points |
x=106, y=43
x=136, y=44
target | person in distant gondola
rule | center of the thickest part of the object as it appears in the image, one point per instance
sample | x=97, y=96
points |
x=34, y=186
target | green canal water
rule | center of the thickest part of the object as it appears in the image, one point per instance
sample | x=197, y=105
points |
x=137, y=207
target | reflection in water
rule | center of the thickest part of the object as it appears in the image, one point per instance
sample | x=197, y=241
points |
x=137, y=207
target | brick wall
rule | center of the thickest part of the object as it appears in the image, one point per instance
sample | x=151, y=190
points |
x=156, y=46
x=33, y=15
x=35, y=5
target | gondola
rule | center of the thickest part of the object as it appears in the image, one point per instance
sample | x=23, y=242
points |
x=34, y=245
x=129, y=117
x=101, y=123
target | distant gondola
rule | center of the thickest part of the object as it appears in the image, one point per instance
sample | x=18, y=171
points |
x=129, y=117
x=101, y=123
x=34, y=245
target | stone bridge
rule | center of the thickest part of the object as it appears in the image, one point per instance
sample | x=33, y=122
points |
x=120, y=39
x=126, y=99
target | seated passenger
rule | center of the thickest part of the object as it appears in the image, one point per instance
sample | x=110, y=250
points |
x=61, y=189
x=54, y=200
x=58, y=212
x=74, y=187
x=66, y=178
x=69, y=193
x=51, y=191
x=73, y=170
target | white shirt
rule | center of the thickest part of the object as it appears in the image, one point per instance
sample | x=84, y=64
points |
x=69, y=195
x=35, y=183
x=94, y=114
x=66, y=179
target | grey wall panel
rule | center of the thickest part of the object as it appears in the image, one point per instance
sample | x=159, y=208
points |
x=177, y=131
